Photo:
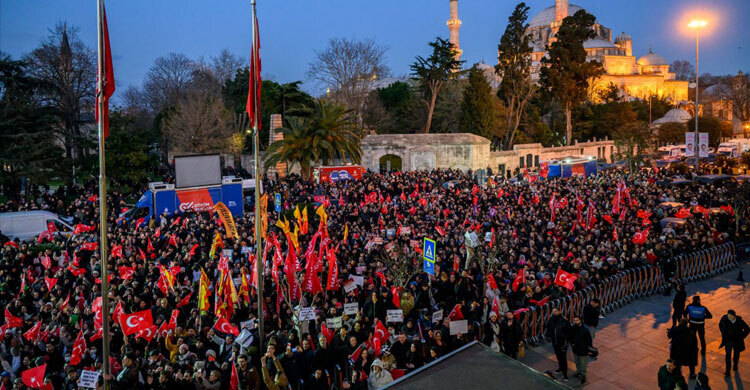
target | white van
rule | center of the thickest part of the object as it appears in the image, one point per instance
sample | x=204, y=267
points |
x=25, y=225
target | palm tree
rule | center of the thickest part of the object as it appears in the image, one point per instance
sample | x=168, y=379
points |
x=322, y=138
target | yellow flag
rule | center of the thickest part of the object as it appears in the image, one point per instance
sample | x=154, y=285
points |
x=304, y=220
x=263, y=215
x=297, y=215
x=321, y=211
x=226, y=219
x=203, y=302
x=346, y=232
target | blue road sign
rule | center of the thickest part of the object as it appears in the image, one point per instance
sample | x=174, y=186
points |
x=428, y=252
x=429, y=267
x=277, y=203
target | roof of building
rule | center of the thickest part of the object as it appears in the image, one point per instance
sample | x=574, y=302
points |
x=652, y=59
x=598, y=43
x=677, y=115
x=717, y=91
x=546, y=16
x=623, y=38
x=430, y=139
x=475, y=366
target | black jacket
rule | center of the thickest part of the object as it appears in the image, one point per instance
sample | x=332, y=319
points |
x=684, y=350
x=591, y=315
x=733, y=334
x=580, y=340
x=558, y=329
x=678, y=303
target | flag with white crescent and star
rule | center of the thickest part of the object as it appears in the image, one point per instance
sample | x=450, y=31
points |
x=565, y=279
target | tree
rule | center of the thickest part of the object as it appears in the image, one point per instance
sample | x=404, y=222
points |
x=433, y=72
x=199, y=125
x=514, y=68
x=350, y=68
x=225, y=65
x=610, y=93
x=328, y=134
x=477, y=114
x=671, y=133
x=127, y=150
x=68, y=68
x=167, y=81
x=446, y=117
x=741, y=204
x=565, y=73
x=683, y=70
x=631, y=141
x=740, y=97
x=27, y=127
x=395, y=109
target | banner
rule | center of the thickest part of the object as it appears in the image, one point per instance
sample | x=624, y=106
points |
x=263, y=214
x=702, y=144
x=689, y=144
x=226, y=219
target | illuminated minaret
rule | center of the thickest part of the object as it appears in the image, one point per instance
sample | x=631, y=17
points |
x=561, y=10
x=454, y=24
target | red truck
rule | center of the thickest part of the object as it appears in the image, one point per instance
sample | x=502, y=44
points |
x=336, y=173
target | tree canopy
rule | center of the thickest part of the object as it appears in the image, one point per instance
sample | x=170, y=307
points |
x=433, y=72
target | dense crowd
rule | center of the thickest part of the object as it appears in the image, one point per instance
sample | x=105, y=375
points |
x=500, y=245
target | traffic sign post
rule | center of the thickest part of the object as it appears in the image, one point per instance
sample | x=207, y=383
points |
x=428, y=254
x=277, y=202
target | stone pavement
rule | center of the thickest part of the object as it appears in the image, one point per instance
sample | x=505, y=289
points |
x=633, y=343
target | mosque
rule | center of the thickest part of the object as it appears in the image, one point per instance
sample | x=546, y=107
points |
x=641, y=78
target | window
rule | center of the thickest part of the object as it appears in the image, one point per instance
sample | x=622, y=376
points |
x=529, y=158
x=520, y=162
x=501, y=169
x=536, y=161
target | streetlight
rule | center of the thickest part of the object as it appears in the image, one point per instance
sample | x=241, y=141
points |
x=697, y=25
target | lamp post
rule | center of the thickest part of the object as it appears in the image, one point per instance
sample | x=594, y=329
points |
x=697, y=25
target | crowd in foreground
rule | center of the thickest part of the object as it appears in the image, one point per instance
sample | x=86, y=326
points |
x=184, y=308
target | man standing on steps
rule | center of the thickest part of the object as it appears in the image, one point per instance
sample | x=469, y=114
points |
x=697, y=315
x=734, y=330
x=558, y=330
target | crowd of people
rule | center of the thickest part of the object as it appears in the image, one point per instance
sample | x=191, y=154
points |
x=183, y=300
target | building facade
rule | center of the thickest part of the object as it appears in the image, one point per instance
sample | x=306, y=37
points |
x=641, y=78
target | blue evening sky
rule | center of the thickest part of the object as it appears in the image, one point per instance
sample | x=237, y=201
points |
x=142, y=30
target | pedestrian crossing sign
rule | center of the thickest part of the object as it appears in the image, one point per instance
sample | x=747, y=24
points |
x=429, y=250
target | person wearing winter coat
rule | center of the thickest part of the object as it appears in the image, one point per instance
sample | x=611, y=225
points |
x=557, y=330
x=511, y=335
x=581, y=343
x=701, y=383
x=669, y=377
x=684, y=346
x=379, y=377
x=678, y=304
x=734, y=330
x=491, y=329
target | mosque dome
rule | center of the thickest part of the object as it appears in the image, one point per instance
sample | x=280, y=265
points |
x=717, y=91
x=677, y=115
x=546, y=16
x=623, y=38
x=598, y=43
x=652, y=59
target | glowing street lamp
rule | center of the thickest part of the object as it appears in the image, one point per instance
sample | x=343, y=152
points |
x=697, y=25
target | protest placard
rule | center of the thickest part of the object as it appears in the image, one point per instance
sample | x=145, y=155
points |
x=88, y=379
x=460, y=326
x=437, y=316
x=351, y=309
x=395, y=316
x=307, y=314
x=333, y=323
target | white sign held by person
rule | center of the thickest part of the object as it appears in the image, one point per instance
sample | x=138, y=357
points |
x=358, y=280
x=351, y=309
x=349, y=286
x=461, y=326
x=307, y=314
x=395, y=316
x=437, y=316
x=333, y=323
x=88, y=379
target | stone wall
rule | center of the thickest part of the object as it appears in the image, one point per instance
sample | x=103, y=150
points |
x=468, y=151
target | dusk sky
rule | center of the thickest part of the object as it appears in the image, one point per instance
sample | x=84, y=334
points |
x=142, y=30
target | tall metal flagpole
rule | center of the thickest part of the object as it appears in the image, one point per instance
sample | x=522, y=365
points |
x=697, y=92
x=102, y=199
x=256, y=145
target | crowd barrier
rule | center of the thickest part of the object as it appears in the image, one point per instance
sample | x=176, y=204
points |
x=628, y=285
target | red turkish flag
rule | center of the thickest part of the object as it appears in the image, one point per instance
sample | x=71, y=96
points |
x=540, y=302
x=184, y=301
x=50, y=282
x=126, y=273
x=163, y=329
x=90, y=246
x=135, y=322
x=520, y=200
x=565, y=279
x=519, y=280
x=328, y=333
x=492, y=282
x=11, y=243
x=118, y=312
x=78, y=348
x=34, y=377
x=33, y=333
x=381, y=332
x=683, y=212
x=12, y=321
x=106, y=75
x=45, y=235
x=147, y=333
x=614, y=235
x=640, y=237
x=51, y=227
x=65, y=302
x=223, y=326
x=173, y=319
x=149, y=247
x=46, y=262
x=254, y=84
x=173, y=240
x=455, y=314
x=234, y=380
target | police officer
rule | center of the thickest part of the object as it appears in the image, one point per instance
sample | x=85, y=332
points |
x=697, y=315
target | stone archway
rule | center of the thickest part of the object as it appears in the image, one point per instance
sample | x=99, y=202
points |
x=390, y=162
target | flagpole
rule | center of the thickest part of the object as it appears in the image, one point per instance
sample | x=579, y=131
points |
x=258, y=238
x=102, y=200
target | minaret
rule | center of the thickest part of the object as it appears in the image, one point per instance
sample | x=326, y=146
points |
x=454, y=24
x=561, y=10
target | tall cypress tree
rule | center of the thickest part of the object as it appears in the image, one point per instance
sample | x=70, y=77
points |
x=565, y=73
x=477, y=116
